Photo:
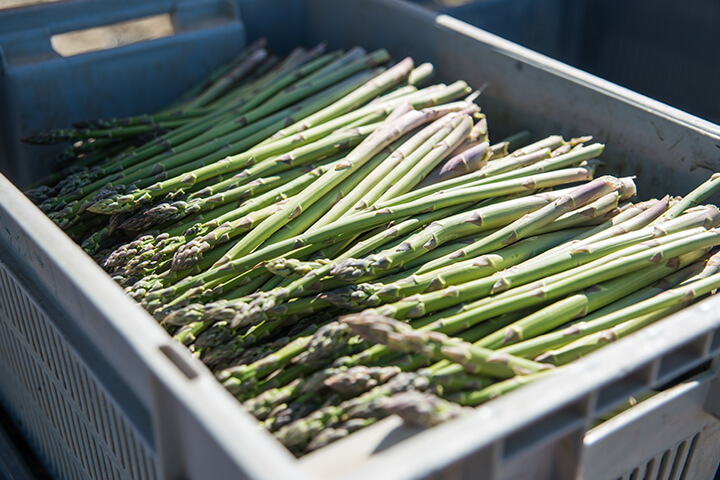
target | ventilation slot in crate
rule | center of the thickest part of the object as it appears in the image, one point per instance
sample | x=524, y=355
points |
x=669, y=465
x=65, y=413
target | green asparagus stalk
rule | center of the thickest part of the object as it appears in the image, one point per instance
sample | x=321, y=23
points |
x=310, y=280
x=531, y=222
x=471, y=155
x=632, y=219
x=421, y=74
x=562, y=284
x=560, y=268
x=533, y=347
x=322, y=205
x=373, y=145
x=204, y=130
x=477, y=178
x=467, y=161
x=378, y=181
x=124, y=202
x=421, y=409
x=212, y=151
x=378, y=85
x=430, y=238
x=363, y=295
x=222, y=84
x=216, y=75
x=415, y=172
x=298, y=434
x=377, y=329
x=363, y=222
x=475, y=398
x=283, y=184
x=692, y=199
x=581, y=304
x=623, y=322
x=510, y=163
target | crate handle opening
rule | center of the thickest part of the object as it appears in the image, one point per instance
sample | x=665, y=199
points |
x=561, y=424
x=114, y=35
x=619, y=391
x=179, y=362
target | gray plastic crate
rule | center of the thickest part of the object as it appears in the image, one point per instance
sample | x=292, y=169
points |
x=682, y=413
x=101, y=391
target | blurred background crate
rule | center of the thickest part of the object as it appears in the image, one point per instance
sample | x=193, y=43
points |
x=664, y=49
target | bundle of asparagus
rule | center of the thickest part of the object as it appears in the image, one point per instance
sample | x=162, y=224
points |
x=339, y=242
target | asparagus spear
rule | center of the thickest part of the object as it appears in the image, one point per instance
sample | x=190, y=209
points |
x=472, y=155
x=580, y=304
x=421, y=409
x=590, y=260
x=304, y=285
x=221, y=85
x=475, y=398
x=369, y=190
x=421, y=74
x=353, y=100
x=356, y=296
x=533, y=347
x=692, y=199
x=298, y=434
x=610, y=327
x=378, y=140
x=559, y=285
x=478, y=178
x=633, y=218
x=356, y=223
x=400, y=336
x=410, y=173
x=209, y=128
x=120, y=203
x=531, y=222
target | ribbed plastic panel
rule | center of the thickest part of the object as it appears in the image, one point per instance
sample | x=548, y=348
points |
x=669, y=465
x=59, y=401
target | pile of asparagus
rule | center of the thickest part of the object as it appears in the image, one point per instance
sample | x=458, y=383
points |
x=338, y=240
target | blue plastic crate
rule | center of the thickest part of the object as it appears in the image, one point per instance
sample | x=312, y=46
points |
x=40, y=89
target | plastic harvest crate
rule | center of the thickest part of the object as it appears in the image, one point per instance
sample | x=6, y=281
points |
x=101, y=391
